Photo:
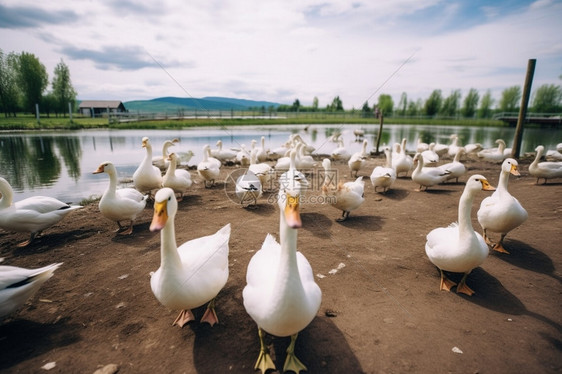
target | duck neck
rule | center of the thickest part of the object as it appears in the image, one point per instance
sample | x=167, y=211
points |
x=171, y=168
x=112, y=183
x=169, y=255
x=7, y=194
x=502, y=183
x=537, y=158
x=465, y=208
x=288, y=278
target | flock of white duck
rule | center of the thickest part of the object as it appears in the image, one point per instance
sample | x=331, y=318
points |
x=281, y=295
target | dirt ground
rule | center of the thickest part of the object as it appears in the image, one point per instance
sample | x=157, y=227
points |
x=381, y=312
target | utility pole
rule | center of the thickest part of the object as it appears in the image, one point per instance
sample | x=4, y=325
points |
x=523, y=109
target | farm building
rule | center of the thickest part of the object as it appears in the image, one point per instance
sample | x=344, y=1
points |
x=96, y=108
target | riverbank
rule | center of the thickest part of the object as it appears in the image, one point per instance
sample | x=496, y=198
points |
x=27, y=122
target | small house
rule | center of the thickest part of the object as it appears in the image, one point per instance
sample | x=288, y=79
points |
x=97, y=108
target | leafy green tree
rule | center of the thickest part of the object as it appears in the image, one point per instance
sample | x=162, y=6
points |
x=451, y=104
x=366, y=110
x=315, y=104
x=10, y=96
x=296, y=105
x=470, y=103
x=32, y=80
x=485, y=110
x=386, y=104
x=433, y=103
x=336, y=105
x=510, y=99
x=414, y=108
x=547, y=99
x=403, y=104
x=63, y=91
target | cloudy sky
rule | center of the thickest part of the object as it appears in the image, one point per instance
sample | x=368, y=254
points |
x=281, y=50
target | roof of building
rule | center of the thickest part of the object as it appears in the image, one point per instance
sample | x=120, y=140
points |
x=100, y=104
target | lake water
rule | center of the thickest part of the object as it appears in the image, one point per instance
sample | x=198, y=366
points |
x=60, y=163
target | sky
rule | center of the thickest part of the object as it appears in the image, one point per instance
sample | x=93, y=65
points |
x=283, y=50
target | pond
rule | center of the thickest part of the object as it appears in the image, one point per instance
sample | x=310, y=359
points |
x=60, y=163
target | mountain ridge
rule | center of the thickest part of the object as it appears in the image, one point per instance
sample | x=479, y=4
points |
x=172, y=103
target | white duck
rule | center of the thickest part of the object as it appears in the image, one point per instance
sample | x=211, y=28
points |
x=472, y=148
x=123, y=204
x=493, y=154
x=401, y=161
x=243, y=156
x=455, y=169
x=18, y=284
x=223, y=155
x=262, y=170
x=262, y=152
x=248, y=188
x=384, y=176
x=161, y=162
x=346, y=196
x=454, y=147
x=208, y=169
x=358, y=159
x=147, y=177
x=427, y=176
x=194, y=273
x=421, y=146
x=303, y=160
x=178, y=180
x=458, y=248
x=281, y=295
x=210, y=158
x=430, y=157
x=31, y=215
x=547, y=169
x=501, y=212
x=340, y=153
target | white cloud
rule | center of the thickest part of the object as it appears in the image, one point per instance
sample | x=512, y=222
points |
x=283, y=50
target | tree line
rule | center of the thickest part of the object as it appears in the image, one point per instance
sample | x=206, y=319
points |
x=24, y=81
x=545, y=99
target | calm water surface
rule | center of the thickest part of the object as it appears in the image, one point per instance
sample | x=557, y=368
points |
x=60, y=163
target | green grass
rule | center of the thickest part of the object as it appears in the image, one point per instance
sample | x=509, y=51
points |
x=28, y=122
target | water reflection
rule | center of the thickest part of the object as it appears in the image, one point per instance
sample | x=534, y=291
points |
x=60, y=164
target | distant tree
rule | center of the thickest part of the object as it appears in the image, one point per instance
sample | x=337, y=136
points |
x=49, y=104
x=485, y=110
x=63, y=91
x=414, y=108
x=336, y=105
x=470, y=103
x=433, y=103
x=547, y=99
x=366, y=110
x=32, y=80
x=509, y=101
x=403, y=104
x=315, y=104
x=386, y=104
x=296, y=106
x=450, y=105
x=10, y=95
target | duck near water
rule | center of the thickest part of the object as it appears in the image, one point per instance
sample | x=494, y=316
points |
x=458, y=248
x=193, y=273
x=501, y=212
x=546, y=170
x=281, y=295
x=32, y=215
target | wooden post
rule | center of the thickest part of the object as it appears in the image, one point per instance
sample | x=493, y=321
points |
x=37, y=113
x=523, y=109
x=380, y=133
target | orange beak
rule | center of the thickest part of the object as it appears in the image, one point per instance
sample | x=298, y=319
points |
x=292, y=215
x=99, y=170
x=486, y=186
x=160, y=216
x=514, y=170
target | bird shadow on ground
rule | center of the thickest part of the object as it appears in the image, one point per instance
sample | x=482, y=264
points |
x=22, y=339
x=492, y=295
x=526, y=257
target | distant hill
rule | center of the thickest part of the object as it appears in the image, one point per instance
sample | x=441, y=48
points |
x=171, y=104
